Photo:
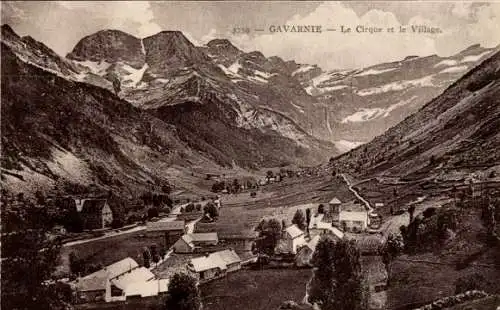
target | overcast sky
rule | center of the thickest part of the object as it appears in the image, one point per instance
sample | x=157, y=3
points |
x=61, y=25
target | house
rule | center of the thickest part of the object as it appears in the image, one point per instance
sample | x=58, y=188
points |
x=95, y=213
x=318, y=227
x=214, y=265
x=189, y=243
x=292, y=238
x=118, y=281
x=170, y=230
x=93, y=287
x=146, y=289
x=353, y=218
x=305, y=253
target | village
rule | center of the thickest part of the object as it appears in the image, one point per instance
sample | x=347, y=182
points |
x=188, y=240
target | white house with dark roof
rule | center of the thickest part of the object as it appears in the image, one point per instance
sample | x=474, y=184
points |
x=214, y=265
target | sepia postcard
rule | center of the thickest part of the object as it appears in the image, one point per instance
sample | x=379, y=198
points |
x=250, y=155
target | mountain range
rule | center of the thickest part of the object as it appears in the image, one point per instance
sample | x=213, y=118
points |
x=455, y=136
x=182, y=106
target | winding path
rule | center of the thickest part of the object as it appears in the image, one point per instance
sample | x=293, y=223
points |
x=367, y=204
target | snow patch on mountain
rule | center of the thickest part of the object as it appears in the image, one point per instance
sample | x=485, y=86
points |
x=303, y=68
x=345, y=145
x=375, y=71
x=474, y=58
x=446, y=62
x=135, y=75
x=98, y=68
x=456, y=69
x=368, y=114
x=425, y=81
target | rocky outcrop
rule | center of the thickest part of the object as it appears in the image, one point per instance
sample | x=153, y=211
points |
x=110, y=46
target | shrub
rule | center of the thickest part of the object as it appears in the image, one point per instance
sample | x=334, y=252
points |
x=253, y=194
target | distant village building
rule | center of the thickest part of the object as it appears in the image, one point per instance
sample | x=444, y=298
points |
x=353, y=218
x=291, y=240
x=379, y=205
x=214, y=265
x=95, y=213
x=170, y=230
x=189, y=243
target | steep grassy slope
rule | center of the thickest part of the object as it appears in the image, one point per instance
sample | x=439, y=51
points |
x=54, y=129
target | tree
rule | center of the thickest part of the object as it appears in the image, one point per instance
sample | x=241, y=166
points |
x=236, y=185
x=146, y=255
x=321, y=209
x=270, y=233
x=308, y=218
x=270, y=173
x=391, y=249
x=190, y=207
x=28, y=260
x=411, y=212
x=337, y=282
x=299, y=220
x=155, y=256
x=211, y=210
x=183, y=293
x=152, y=212
x=253, y=194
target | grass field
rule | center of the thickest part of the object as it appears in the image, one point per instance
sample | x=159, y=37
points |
x=240, y=213
x=255, y=289
x=110, y=250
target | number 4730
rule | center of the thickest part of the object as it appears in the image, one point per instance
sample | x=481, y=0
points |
x=239, y=30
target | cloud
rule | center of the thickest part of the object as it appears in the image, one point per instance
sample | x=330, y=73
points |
x=135, y=17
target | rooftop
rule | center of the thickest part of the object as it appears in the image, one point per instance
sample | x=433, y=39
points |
x=294, y=231
x=141, y=275
x=335, y=201
x=97, y=280
x=215, y=260
x=353, y=207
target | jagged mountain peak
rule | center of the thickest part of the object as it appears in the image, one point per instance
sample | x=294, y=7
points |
x=110, y=46
x=8, y=31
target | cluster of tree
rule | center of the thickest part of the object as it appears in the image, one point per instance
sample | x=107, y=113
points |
x=211, y=212
x=300, y=220
x=183, y=293
x=429, y=229
x=81, y=266
x=192, y=207
x=29, y=258
x=337, y=282
x=152, y=254
x=393, y=246
x=156, y=200
x=232, y=187
x=269, y=236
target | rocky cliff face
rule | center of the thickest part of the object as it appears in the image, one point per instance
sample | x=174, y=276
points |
x=110, y=46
